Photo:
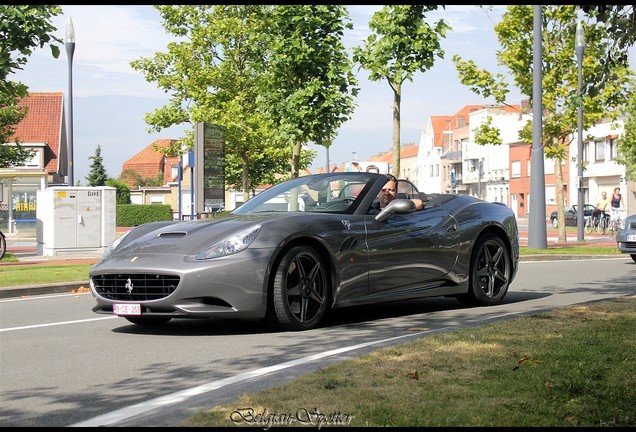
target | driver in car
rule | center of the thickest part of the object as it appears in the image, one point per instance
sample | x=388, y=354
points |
x=387, y=194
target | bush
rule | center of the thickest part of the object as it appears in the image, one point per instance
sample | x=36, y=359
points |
x=136, y=214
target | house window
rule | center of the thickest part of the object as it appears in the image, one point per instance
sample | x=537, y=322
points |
x=174, y=172
x=599, y=147
x=156, y=199
x=613, y=148
x=529, y=165
x=586, y=152
x=516, y=169
x=436, y=170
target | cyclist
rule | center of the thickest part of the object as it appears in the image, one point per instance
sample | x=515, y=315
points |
x=601, y=207
x=616, y=206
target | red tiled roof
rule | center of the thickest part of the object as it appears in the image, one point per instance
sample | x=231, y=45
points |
x=149, y=162
x=44, y=122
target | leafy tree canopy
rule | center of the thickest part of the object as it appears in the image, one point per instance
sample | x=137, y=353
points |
x=401, y=43
x=22, y=29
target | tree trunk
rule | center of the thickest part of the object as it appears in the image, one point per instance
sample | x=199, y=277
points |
x=296, y=159
x=245, y=178
x=397, y=100
x=558, y=171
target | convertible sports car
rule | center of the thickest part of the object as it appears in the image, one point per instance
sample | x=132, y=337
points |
x=308, y=245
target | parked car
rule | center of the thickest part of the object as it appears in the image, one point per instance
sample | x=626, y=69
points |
x=626, y=236
x=570, y=215
x=308, y=245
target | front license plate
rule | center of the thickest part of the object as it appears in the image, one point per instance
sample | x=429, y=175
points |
x=127, y=309
x=631, y=237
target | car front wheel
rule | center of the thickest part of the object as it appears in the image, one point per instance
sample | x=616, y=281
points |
x=490, y=271
x=300, y=292
x=555, y=223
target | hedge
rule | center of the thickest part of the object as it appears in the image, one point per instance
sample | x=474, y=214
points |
x=129, y=215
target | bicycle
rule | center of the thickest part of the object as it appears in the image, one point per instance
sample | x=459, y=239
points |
x=3, y=245
x=597, y=222
x=616, y=222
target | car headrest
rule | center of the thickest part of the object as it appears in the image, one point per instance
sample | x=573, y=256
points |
x=400, y=195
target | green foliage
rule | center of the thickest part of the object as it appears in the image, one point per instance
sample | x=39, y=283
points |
x=213, y=76
x=627, y=143
x=603, y=99
x=22, y=28
x=137, y=180
x=136, y=214
x=97, y=174
x=122, y=193
x=486, y=133
x=307, y=85
x=401, y=44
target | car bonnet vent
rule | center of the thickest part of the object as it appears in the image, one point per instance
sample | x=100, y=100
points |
x=177, y=234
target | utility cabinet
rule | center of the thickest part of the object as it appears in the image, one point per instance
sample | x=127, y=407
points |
x=75, y=220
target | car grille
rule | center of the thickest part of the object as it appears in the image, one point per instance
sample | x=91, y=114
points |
x=629, y=245
x=135, y=287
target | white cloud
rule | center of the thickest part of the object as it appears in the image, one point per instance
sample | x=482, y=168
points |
x=111, y=99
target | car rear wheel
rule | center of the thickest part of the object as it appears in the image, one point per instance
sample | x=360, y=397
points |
x=555, y=222
x=300, y=294
x=142, y=320
x=490, y=271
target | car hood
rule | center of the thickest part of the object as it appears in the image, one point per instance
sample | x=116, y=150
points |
x=186, y=238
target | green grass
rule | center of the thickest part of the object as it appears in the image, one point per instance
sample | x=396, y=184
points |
x=580, y=250
x=35, y=274
x=571, y=367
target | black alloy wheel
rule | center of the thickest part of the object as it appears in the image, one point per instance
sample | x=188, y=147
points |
x=300, y=294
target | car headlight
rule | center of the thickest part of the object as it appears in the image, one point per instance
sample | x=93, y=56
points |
x=231, y=245
x=113, y=245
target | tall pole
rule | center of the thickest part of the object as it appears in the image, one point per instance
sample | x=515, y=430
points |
x=537, y=231
x=580, y=48
x=69, y=42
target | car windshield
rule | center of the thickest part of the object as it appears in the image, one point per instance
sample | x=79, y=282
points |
x=324, y=193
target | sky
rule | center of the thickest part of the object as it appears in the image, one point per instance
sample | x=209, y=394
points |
x=110, y=98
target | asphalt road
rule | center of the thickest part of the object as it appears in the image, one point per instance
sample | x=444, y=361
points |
x=63, y=365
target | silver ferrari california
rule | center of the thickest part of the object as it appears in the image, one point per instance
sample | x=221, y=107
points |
x=308, y=245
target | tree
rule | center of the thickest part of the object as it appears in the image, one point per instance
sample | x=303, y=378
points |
x=308, y=85
x=401, y=44
x=559, y=79
x=627, y=143
x=213, y=76
x=97, y=174
x=22, y=28
x=131, y=176
x=122, y=192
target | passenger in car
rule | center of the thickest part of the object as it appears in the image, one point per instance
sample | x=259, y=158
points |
x=387, y=194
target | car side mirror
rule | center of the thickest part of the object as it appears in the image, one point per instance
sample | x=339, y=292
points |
x=397, y=206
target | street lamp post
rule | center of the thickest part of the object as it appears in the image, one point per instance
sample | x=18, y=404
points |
x=580, y=48
x=69, y=42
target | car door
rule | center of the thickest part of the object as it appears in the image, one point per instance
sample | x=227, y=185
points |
x=410, y=251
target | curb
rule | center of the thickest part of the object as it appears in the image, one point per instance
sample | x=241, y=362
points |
x=55, y=288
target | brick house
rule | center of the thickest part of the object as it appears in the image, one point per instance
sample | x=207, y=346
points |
x=44, y=130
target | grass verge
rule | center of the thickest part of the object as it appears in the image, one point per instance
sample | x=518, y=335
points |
x=571, y=367
x=34, y=274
